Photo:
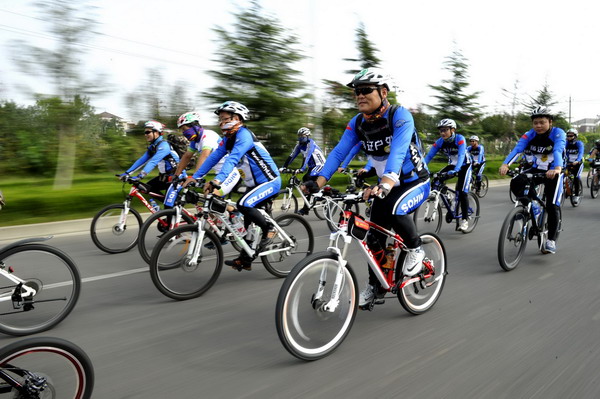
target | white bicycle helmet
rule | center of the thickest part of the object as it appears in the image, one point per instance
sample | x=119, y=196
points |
x=574, y=131
x=372, y=76
x=235, y=108
x=476, y=138
x=541, y=111
x=447, y=123
x=188, y=119
x=304, y=132
x=154, y=125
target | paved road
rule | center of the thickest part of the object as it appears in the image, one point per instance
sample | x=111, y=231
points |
x=530, y=333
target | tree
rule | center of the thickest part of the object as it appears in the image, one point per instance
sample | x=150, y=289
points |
x=366, y=50
x=453, y=99
x=256, y=69
x=544, y=98
x=63, y=65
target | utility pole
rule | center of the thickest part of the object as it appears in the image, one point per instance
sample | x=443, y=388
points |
x=569, y=110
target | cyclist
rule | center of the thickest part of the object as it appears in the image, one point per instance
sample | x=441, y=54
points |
x=364, y=172
x=574, y=157
x=454, y=146
x=594, y=152
x=159, y=154
x=477, y=152
x=261, y=174
x=204, y=141
x=547, y=145
x=389, y=139
x=314, y=159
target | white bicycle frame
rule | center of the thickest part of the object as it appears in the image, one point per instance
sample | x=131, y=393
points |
x=26, y=291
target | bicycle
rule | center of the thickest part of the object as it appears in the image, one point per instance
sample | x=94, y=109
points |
x=289, y=200
x=318, y=300
x=187, y=260
x=429, y=214
x=115, y=228
x=524, y=223
x=595, y=180
x=45, y=367
x=483, y=185
x=39, y=286
x=569, y=188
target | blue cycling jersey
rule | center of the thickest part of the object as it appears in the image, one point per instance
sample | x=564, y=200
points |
x=574, y=151
x=245, y=153
x=159, y=154
x=312, y=153
x=456, y=151
x=477, y=153
x=392, y=146
x=546, y=149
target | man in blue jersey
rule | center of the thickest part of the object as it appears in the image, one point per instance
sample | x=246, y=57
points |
x=260, y=172
x=159, y=154
x=389, y=139
x=314, y=159
x=477, y=152
x=454, y=146
x=547, y=145
x=574, y=152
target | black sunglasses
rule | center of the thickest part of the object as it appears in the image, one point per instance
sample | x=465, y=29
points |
x=364, y=90
x=148, y=131
x=570, y=135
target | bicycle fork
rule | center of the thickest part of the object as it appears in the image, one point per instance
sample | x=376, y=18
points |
x=336, y=290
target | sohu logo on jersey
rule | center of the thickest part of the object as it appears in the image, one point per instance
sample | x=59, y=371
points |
x=411, y=203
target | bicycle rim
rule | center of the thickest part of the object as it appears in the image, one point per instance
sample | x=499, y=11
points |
x=419, y=297
x=55, y=279
x=305, y=329
x=513, y=238
x=595, y=186
x=109, y=235
x=174, y=272
x=427, y=217
x=154, y=228
x=281, y=262
x=483, y=188
x=473, y=212
x=66, y=369
x=285, y=202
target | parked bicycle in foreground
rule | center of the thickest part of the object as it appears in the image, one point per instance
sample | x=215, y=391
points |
x=428, y=217
x=45, y=367
x=39, y=286
x=318, y=300
x=526, y=221
x=187, y=260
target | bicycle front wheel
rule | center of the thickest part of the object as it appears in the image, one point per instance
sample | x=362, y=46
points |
x=287, y=253
x=286, y=202
x=483, y=187
x=588, y=180
x=305, y=328
x=174, y=270
x=473, y=213
x=45, y=367
x=39, y=287
x=112, y=237
x=418, y=297
x=513, y=238
x=154, y=228
x=595, y=186
x=428, y=217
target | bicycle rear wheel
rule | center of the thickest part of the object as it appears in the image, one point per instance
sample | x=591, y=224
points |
x=304, y=327
x=513, y=238
x=483, y=187
x=594, y=186
x=427, y=217
x=420, y=296
x=588, y=179
x=54, y=277
x=319, y=209
x=154, y=228
x=109, y=236
x=298, y=229
x=174, y=272
x=48, y=368
x=286, y=202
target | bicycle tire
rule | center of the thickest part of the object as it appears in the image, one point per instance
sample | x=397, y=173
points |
x=319, y=210
x=54, y=276
x=304, y=328
x=588, y=179
x=483, y=188
x=543, y=236
x=594, y=186
x=296, y=227
x=513, y=235
x=426, y=218
x=416, y=298
x=474, y=213
x=104, y=230
x=145, y=242
x=286, y=202
x=66, y=366
x=170, y=268
x=576, y=197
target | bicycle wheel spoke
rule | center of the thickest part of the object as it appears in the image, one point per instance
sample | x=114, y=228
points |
x=114, y=234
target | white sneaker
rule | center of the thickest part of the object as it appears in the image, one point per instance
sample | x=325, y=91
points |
x=413, y=263
x=463, y=225
x=366, y=295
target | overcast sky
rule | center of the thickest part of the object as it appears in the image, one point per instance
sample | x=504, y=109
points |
x=529, y=41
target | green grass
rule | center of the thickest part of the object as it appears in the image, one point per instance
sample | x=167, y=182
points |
x=33, y=200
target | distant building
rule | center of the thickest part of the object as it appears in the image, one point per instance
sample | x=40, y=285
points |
x=124, y=124
x=587, y=125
